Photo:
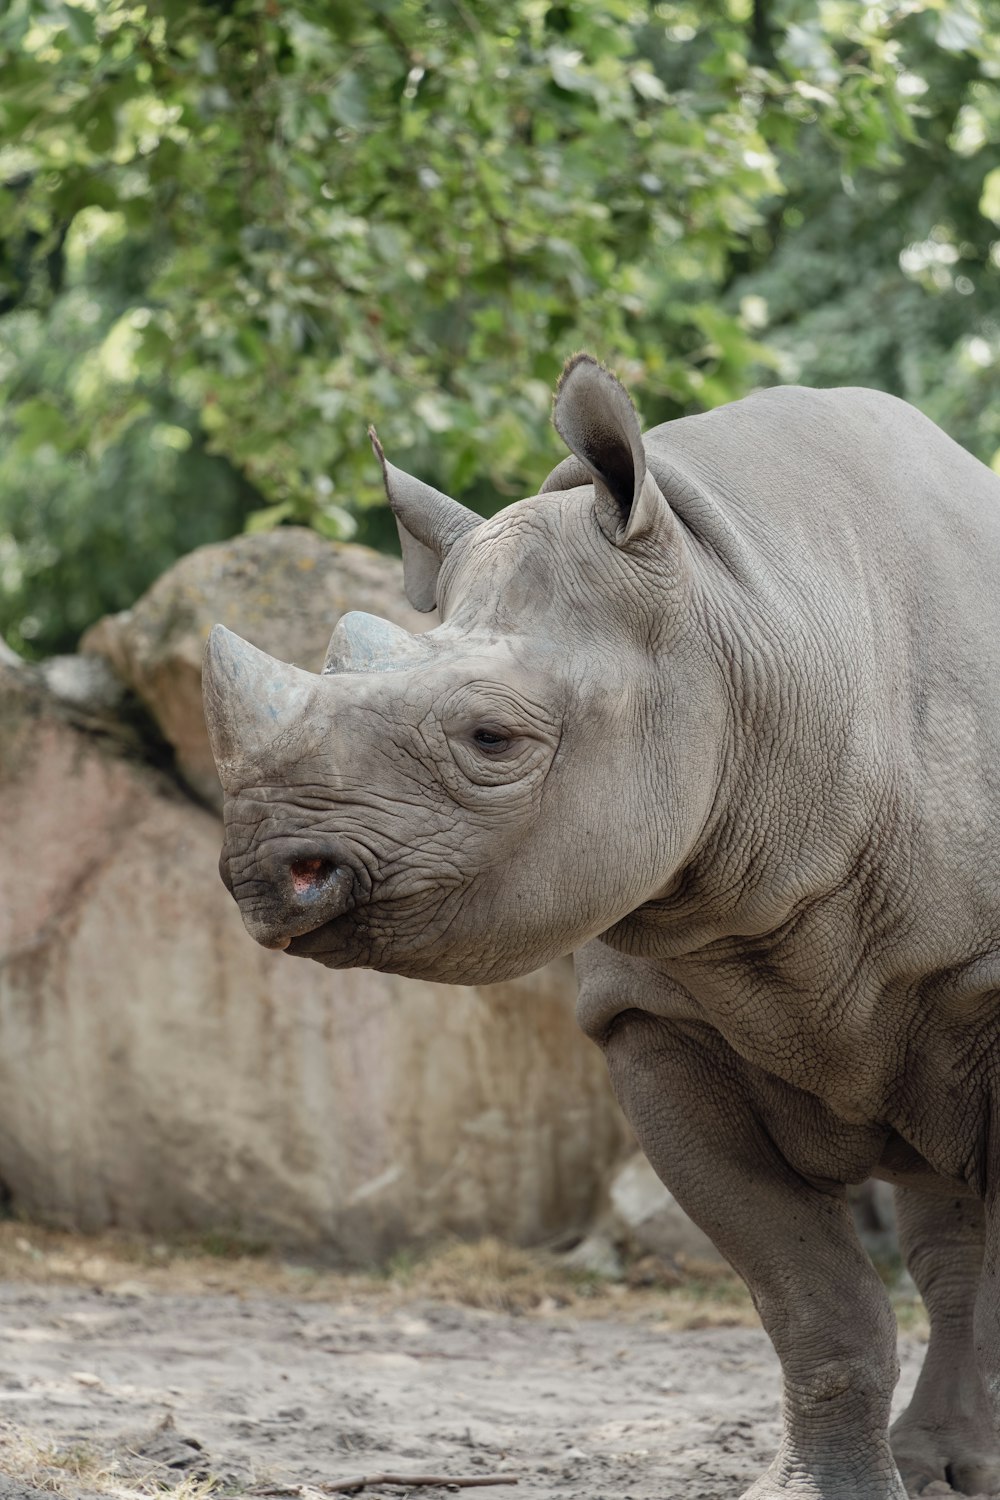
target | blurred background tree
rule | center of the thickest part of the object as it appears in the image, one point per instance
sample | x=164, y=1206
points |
x=232, y=234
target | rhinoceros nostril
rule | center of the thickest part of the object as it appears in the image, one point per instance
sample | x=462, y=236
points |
x=310, y=874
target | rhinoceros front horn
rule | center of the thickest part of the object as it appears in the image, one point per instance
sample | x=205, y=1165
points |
x=254, y=706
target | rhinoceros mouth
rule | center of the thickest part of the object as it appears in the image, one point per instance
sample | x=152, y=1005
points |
x=333, y=942
x=291, y=885
x=315, y=883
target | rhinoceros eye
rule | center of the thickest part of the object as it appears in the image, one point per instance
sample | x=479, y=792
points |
x=490, y=740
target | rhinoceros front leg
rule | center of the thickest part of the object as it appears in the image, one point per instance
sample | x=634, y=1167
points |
x=827, y=1313
x=947, y=1431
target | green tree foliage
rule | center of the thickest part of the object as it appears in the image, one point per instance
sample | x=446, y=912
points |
x=232, y=234
x=893, y=279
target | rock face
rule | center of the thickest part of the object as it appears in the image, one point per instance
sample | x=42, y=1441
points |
x=283, y=590
x=160, y=1071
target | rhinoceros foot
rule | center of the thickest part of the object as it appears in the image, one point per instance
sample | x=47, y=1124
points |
x=962, y=1458
x=841, y=1478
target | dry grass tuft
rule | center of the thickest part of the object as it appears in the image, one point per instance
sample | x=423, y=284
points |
x=501, y=1278
x=492, y=1275
x=77, y=1472
x=485, y=1274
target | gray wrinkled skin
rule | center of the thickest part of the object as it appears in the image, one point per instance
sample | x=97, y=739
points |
x=720, y=707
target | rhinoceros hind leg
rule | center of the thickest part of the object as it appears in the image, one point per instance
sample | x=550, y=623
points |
x=947, y=1432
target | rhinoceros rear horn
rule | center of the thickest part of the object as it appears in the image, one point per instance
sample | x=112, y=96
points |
x=429, y=523
x=595, y=418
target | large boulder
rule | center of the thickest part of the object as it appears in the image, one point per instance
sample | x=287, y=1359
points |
x=648, y=1220
x=638, y=1220
x=283, y=590
x=160, y=1071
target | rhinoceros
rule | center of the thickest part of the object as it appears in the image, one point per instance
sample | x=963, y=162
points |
x=718, y=710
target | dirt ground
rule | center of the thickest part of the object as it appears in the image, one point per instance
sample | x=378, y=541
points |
x=123, y=1371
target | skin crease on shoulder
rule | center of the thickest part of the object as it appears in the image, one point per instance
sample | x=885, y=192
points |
x=719, y=709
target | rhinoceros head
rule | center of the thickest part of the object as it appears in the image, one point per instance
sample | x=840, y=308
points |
x=469, y=803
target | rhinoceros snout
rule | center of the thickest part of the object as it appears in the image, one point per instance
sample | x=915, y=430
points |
x=290, y=887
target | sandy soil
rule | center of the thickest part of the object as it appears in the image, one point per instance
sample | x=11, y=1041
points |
x=259, y=1387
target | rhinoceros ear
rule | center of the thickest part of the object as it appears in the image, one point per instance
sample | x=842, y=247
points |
x=595, y=418
x=429, y=525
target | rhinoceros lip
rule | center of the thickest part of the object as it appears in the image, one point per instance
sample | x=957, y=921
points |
x=324, y=941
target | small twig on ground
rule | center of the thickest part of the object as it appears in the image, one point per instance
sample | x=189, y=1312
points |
x=448, y=1481
x=348, y=1349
